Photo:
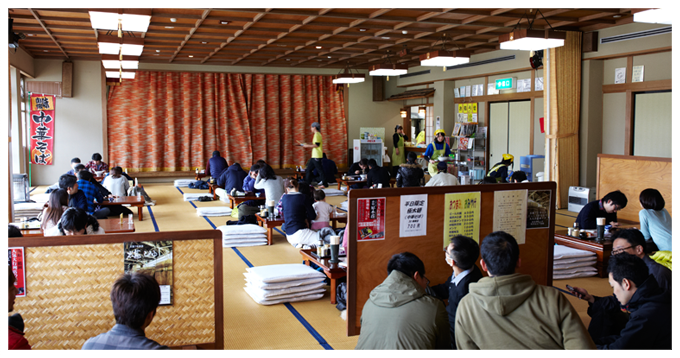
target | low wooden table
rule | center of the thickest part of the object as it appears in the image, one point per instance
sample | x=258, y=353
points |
x=235, y=200
x=110, y=226
x=200, y=176
x=333, y=271
x=603, y=251
x=137, y=201
x=212, y=190
x=269, y=224
x=349, y=182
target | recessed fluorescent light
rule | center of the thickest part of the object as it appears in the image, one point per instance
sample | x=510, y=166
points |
x=404, y=32
x=172, y=19
x=191, y=55
x=616, y=16
x=318, y=47
x=362, y=30
x=329, y=57
x=46, y=50
x=287, y=59
x=169, y=27
x=158, y=50
x=224, y=22
x=31, y=35
x=204, y=42
x=385, y=38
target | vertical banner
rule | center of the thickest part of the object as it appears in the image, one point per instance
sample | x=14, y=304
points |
x=42, y=129
x=461, y=215
x=371, y=219
x=413, y=215
x=510, y=213
x=16, y=262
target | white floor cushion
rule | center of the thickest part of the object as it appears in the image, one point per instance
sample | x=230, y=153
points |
x=242, y=229
x=561, y=251
x=193, y=196
x=289, y=290
x=254, y=281
x=183, y=182
x=244, y=244
x=263, y=301
x=213, y=211
x=333, y=192
x=283, y=272
x=562, y=266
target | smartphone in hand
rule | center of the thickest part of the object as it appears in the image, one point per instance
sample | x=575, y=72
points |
x=574, y=292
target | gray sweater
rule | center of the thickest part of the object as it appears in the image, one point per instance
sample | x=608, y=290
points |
x=273, y=188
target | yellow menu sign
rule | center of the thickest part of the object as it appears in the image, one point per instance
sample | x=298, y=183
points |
x=461, y=215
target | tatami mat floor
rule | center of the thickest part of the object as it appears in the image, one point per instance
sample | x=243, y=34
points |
x=312, y=325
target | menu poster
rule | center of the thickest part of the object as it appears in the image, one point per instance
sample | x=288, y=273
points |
x=413, y=215
x=371, y=219
x=16, y=261
x=638, y=73
x=153, y=258
x=510, y=213
x=538, y=209
x=461, y=215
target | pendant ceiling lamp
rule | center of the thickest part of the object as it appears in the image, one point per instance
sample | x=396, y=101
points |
x=530, y=39
x=444, y=58
x=403, y=113
x=388, y=68
x=347, y=76
x=134, y=20
x=654, y=16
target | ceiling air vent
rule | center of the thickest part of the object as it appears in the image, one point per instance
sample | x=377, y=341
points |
x=637, y=35
x=485, y=62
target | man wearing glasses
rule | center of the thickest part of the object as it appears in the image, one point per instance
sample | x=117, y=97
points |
x=399, y=314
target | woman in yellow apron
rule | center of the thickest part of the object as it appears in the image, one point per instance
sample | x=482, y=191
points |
x=398, y=154
x=438, y=148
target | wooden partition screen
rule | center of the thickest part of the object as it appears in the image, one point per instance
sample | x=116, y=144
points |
x=367, y=260
x=631, y=175
x=69, y=279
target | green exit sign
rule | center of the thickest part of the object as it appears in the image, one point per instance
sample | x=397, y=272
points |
x=506, y=83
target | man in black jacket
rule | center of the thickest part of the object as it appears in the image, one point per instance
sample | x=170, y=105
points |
x=461, y=255
x=645, y=307
x=410, y=173
x=377, y=175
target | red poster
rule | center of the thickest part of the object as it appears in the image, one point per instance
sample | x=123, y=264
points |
x=16, y=262
x=371, y=219
x=42, y=129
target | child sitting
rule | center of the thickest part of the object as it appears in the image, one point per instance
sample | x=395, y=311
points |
x=323, y=211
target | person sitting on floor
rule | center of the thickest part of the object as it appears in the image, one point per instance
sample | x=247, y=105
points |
x=16, y=339
x=603, y=208
x=76, y=198
x=272, y=185
x=96, y=164
x=442, y=178
x=508, y=310
x=74, y=162
x=56, y=205
x=116, y=183
x=249, y=186
x=643, y=308
x=519, y=177
x=92, y=193
x=461, y=255
x=655, y=221
x=134, y=298
x=329, y=170
x=377, y=175
x=399, y=314
x=297, y=213
x=358, y=168
x=232, y=178
x=216, y=165
x=322, y=209
x=75, y=222
x=410, y=173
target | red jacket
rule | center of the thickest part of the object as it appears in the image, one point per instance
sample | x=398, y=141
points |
x=16, y=339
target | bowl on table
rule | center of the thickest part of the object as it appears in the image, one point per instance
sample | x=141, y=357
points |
x=444, y=159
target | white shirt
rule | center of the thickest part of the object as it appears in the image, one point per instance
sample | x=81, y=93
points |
x=323, y=211
x=460, y=276
x=117, y=186
x=443, y=179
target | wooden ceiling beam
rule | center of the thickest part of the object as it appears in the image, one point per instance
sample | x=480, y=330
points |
x=546, y=14
x=237, y=34
x=47, y=31
x=191, y=32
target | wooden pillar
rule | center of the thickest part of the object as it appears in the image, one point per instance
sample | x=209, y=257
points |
x=565, y=108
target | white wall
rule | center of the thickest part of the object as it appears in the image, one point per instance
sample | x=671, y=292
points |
x=78, y=120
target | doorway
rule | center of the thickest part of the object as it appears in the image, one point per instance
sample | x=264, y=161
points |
x=509, y=127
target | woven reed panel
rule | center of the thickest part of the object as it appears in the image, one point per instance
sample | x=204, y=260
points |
x=68, y=291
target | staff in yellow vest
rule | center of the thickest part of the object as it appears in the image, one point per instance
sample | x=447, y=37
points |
x=317, y=155
x=500, y=170
x=398, y=154
x=438, y=148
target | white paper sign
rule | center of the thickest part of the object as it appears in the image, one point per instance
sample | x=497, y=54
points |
x=510, y=213
x=165, y=295
x=491, y=89
x=638, y=73
x=468, y=91
x=538, y=84
x=413, y=215
x=620, y=75
x=456, y=92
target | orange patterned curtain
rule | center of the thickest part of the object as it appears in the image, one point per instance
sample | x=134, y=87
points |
x=173, y=121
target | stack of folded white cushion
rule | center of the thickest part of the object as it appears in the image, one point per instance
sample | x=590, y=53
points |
x=243, y=235
x=344, y=205
x=194, y=196
x=269, y=285
x=28, y=210
x=333, y=192
x=183, y=182
x=571, y=263
x=213, y=211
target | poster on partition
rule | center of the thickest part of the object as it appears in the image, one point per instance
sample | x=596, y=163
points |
x=153, y=258
x=538, y=209
x=413, y=215
x=42, y=129
x=461, y=215
x=510, y=213
x=16, y=262
x=371, y=219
